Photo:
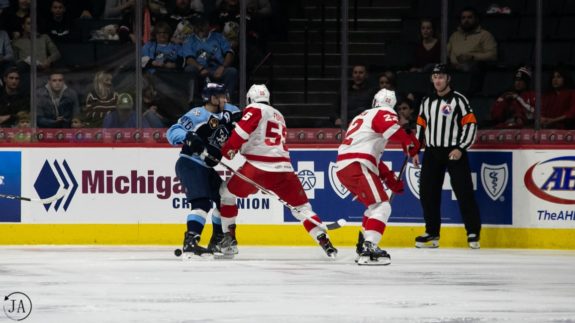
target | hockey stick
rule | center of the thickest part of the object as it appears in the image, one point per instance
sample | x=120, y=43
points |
x=61, y=192
x=330, y=226
x=403, y=167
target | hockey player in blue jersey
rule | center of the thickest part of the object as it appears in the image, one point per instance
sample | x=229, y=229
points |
x=203, y=128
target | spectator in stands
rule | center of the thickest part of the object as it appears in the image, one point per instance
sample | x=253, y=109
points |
x=57, y=24
x=406, y=114
x=514, y=108
x=428, y=50
x=100, y=101
x=470, y=46
x=46, y=52
x=123, y=10
x=6, y=53
x=12, y=100
x=77, y=123
x=160, y=53
x=158, y=9
x=83, y=9
x=226, y=20
x=116, y=9
x=125, y=115
x=23, y=118
x=360, y=94
x=181, y=20
x=558, y=103
x=57, y=103
x=160, y=111
x=388, y=80
x=13, y=17
x=208, y=54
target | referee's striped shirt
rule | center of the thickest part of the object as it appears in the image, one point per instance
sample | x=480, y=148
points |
x=447, y=121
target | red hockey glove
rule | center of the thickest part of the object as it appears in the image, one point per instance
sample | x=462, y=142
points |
x=390, y=180
x=411, y=148
x=232, y=146
x=228, y=151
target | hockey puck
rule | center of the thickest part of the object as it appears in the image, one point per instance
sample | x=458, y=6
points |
x=178, y=252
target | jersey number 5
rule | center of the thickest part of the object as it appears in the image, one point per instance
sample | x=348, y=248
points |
x=352, y=128
x=275, y=134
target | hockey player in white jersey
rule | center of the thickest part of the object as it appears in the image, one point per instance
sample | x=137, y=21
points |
x=260, y=136
x=361, y=170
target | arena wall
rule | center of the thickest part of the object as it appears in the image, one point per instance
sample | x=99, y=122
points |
x=130, y=195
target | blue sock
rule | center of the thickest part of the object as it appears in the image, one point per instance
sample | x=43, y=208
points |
x=195, y=223
x=217, y=225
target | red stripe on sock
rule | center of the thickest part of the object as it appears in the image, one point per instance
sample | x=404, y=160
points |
x=228, y=211
x=308, y=225
x=364, y=221
x=375, y=225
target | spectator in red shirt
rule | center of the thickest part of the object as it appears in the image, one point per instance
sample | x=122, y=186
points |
x=514, y=108
x=558, y=104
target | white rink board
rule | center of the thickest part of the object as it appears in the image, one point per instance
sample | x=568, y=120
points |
x=532, y=211
x=110, y=206
x=97, y=202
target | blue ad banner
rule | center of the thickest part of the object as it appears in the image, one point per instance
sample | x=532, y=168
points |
x=491, y=175
x=10, y=183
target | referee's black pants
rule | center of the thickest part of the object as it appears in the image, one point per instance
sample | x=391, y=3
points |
x=435, y=162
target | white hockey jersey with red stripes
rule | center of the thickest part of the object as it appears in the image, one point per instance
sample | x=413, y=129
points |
x=366, y=138
x=263, y=132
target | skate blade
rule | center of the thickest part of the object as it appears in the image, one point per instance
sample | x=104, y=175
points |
x=190, y=256
x=223, y=256
x=429, y=244
x=474, y=245
x=332, y=255
x=367, y=261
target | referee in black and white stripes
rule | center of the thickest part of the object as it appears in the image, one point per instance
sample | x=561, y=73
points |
x=448, y=125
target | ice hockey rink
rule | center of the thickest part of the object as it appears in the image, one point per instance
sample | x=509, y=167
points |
x=283, y=284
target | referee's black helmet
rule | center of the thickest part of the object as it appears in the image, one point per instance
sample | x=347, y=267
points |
x=440, y=69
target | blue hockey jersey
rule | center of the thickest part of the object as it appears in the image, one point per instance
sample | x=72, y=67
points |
x=213, y=128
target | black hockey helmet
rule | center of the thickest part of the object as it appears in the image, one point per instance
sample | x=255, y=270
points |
x=213, y=89
x=440, y=69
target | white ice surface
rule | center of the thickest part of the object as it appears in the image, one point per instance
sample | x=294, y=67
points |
x=279, y=284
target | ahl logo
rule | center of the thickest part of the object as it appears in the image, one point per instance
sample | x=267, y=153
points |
x=51, y=179
x=310, y=178
x=494, y=179
x=552, y=180
x=337, y=186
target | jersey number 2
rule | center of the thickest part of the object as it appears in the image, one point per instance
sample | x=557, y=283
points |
x=353, y=128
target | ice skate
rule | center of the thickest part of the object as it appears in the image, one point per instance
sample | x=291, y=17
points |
x=427, y=241
x=473, y=241
x=359, y=246
x=326, y=245
x=373, y=256
x=191, y=246
x=227, y=247
x=214, y=240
